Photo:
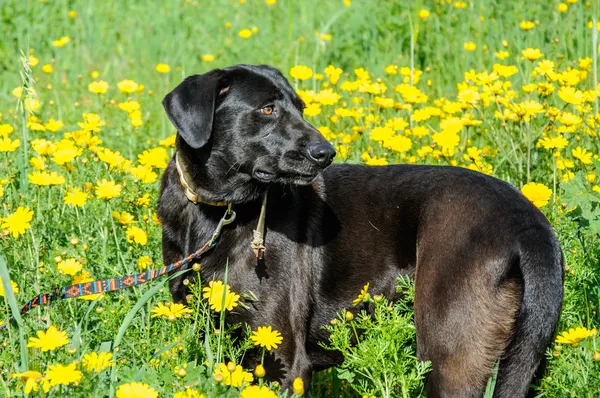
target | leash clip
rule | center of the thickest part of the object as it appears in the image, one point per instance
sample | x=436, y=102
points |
x=227, y=219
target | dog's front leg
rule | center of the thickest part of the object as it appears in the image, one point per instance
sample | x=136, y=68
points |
x=300, y=368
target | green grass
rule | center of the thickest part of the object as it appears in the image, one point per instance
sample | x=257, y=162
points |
x=127, y=39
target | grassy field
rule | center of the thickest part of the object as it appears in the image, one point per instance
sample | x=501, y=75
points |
x=508, y=88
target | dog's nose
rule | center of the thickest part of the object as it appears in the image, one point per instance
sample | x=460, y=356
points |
x=321, y=153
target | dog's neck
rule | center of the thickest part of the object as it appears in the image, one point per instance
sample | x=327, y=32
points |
x=188, y=183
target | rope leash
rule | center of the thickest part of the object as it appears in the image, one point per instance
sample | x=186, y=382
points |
x=113, y=284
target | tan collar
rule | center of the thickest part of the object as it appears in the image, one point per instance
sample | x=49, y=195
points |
x=188, y=184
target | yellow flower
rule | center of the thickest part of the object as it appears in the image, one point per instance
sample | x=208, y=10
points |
x=424, y=14
x=14, y=286
x=137, y=235
x=526, y=25
x=47, y=68
x=562, y=7
x=83, y=277
x=143, y=173
x=143, y=200
x=531, y=54
x=53, y=125
x=156, y=157
x=571, y=96
x=169, y=141
x=6, y=129
x=30, y=379
x=270, y=2
x=136, y=390
x=538, y=194
x=208, y=58
x=107, y=189
x=575, y=335
x=98, y=87
x=234, y=378
x=91, y=122
x=49, y=340
x=69, y=266
x=72, y=14
x=61, y=42
x=75, y=198
x=220, y=296
x=333, y=73
x=144, y=262
x=582, y=154
x=18, y=222
x=45, y=179
x=363, y=296
x=123, y=218
x=33, y=61
x=98, y=362
x=298, y=386
x=266, y=337
x=188, y=393
x=128, y=86
x=8, y=145
x=470, y=46
x=554, y=142
x=163, y=68
x=501, y=55
x=171, y=311
x=301, y=72
x=257, y=392
x=130, y=106
x=245, y=33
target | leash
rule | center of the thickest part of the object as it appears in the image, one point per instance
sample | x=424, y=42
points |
x=113, y=284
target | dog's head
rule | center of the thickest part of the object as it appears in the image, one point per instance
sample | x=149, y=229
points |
x=245, y=122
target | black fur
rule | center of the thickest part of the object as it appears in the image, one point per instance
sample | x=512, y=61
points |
x=481, y=253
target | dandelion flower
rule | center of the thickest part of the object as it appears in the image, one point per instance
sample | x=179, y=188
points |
x=42, y=178
x=123, y=218
x=170, y=312
x=18, y=222
x=98, y=87
x=266, y=337
x=363, y=296
x=470, y=46
x=8, y=145
x=234, y=378
x=30, y=379
x=257, y=392
x=49, y=340
x=575, y=335
x=69, y=266
x=75, y=198
x=137, y=235
x=214, y=294
x=163, y=68
x=208, y=58
x=526, y=25
x=424, y=14
x=107, y=189
x=14, y=286
x=582, y=155
x=128, y=86
x=136, y=390
x=531, y=54
x=144, y=262
x=61, y=42
x=298, y=386
x=156, y=157
x=538, y=194
x=301, y=72
x=245, y=33
x=571, y=95
x=47, y=68
x=95, y=362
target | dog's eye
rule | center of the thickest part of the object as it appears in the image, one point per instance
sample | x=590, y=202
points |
x=267, y=110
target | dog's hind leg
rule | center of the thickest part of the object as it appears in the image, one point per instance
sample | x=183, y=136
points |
x=464, y=320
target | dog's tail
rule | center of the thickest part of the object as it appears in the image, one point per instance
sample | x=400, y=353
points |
x=542, y=268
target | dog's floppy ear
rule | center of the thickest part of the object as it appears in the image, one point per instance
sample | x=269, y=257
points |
x=191, y=107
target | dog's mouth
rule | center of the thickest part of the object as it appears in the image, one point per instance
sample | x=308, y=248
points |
x=285, y=177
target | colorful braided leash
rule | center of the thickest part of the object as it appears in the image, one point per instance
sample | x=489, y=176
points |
x=113, y=284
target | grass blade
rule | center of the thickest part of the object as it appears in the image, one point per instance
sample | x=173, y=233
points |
x=14, y=308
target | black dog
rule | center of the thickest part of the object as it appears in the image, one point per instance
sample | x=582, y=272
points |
x=488, y=268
